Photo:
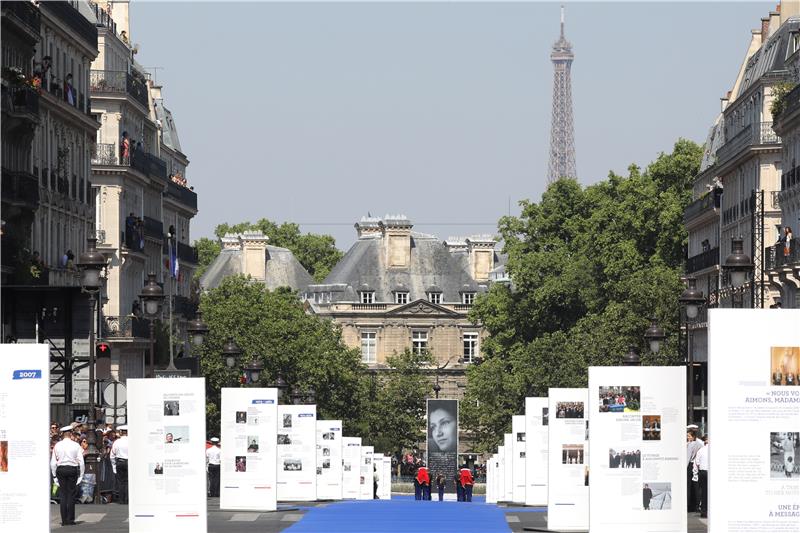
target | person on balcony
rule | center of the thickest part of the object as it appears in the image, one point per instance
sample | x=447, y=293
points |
x=125, y=148
x=69, y=91
x=787, y=241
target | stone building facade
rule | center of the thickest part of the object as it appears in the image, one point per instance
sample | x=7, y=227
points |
x=396, y=289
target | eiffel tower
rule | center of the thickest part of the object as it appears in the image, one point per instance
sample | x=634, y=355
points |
x=562, y=140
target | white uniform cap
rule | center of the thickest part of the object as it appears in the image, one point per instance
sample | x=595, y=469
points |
x=692, y=426
x=66, y=428
x=123, y=428
x=214, y=439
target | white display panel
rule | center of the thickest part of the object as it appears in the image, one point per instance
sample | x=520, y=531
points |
x=518, y=442
x=385, y=488
x=24, y=441
x=500, y=484
x=491, y=479
x=249, y=422
x=329, y=459
x=755, y=420
x=365, y=478
x=536, y=446
x=638, y=451
x=351, y=467
x=175, y=499
x=508, y=477
x=568, y=468
x=297, y=453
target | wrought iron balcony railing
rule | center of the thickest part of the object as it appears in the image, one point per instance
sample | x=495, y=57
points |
x=69, y=15
x=118, y=81
x=759, y=133
x=702, y=260
x=106, y=154
x=22, y=99
x=779, y=256
x=180, y=193
x=26, y=12
x=153, y=228
x=703, y=205
x=20, y=188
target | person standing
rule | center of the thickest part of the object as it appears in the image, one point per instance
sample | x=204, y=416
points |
x=213, y=456
x=417, y=487
x=374, y=481
x=693, y=445
x=119, y=463
x=440, y=482
x=67, y=466
x=424, y=480
x=701, y=465
x=647, y=495
x=459, y=487
x=467, y=482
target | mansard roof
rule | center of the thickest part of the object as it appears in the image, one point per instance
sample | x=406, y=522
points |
x=431, y=264
x=283, y=269
x=769, y=59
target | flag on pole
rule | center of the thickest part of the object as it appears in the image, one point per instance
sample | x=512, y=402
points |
x=174, y=266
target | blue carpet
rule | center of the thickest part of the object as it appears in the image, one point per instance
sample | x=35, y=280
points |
x=401, y=515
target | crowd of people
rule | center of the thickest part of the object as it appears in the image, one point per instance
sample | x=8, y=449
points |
x=463, y=482
x=618, y=397
x=569, y=410
x=625, y=459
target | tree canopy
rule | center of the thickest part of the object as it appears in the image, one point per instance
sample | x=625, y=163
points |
x=589, y=267
x=317, y=253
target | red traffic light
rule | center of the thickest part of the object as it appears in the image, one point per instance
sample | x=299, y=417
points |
x=102, y=349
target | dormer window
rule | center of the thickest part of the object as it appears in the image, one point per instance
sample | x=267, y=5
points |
x=367, y=297
x=467, y=298
x=400, y=297
x=435, y=297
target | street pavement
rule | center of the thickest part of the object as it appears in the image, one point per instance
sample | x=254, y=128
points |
x=114, y=517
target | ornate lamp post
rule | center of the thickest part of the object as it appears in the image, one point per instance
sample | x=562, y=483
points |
x=298, y=397
x=252, y=371
x=197, y=330
x=632, y=357
x=691, y=299
x=91, y=263
x=152, y=297
x=654, y=336
x=436, y=387
x=230, y=353
x=279, y=384
x=737, y=264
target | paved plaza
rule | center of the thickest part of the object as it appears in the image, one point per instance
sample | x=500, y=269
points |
x=400, y=514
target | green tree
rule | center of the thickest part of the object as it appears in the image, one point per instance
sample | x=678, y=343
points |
x=396, y=411
x=273, y=327
x=317, y=253
x=589, y=266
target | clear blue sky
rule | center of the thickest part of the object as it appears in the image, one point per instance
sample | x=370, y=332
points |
x=317, y=113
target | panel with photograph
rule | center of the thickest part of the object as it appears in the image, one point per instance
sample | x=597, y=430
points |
x=624, y=458
x=657, y=496
x=785, y=365
x=651, y=427
x=572, y=454
x=619, y=399
x=784, y=450
x=569, y=409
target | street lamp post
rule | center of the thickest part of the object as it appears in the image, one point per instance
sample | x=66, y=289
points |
x=279, y=384
x=252, y=371
x=91, y=263
x=632, y=357
x=654, y=336
x=691, y=299
x=152, y=297
x=197, y=330
x=230, y=353
x=738, y=264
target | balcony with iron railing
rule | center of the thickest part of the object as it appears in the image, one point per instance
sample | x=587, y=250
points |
x=153, y=228
x=119, y=82
x=105, y=154
x=21, y=100
x=20, y=188
x=779, y=256
x=25, y=12
x=757, y=134
x=68, y=13
x=125, y=327
x=185, y=252
x=182, y=194
x=104, y=20
x=702, y=260
x=703, y=205
x=790, y=178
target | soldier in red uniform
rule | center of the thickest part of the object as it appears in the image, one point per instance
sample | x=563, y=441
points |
x=424, y=480
x=467, y=482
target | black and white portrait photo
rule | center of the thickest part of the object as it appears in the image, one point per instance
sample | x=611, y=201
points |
x=172, y=408
x=241, y=417
x=442, y=425
x=287, y=421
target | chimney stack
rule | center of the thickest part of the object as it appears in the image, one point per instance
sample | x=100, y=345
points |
x=254, y=254
x=481, y=256
x=368, y=226
x=396, y=230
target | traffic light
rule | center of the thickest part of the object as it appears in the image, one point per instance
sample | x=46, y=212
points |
x=102, y=349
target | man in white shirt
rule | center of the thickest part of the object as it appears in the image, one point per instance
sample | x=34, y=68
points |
x=66, y=465
x=701, y=466
x=693, y=445
x=119, y=463
x=212, y=465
